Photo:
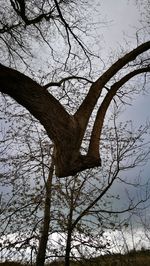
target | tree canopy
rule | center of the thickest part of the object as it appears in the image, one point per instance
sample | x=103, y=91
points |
x=65, y=130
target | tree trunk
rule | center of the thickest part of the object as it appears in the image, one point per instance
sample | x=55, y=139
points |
x=68, y=248
x=69, y=231
x=40, y=259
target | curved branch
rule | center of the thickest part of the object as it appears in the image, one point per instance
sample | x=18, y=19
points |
x=39, y=102
x=58, y=84
x=98, y=124
x=84, y=112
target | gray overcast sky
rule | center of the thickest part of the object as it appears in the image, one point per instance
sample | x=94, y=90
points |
x=125, y=17
x=123, y=20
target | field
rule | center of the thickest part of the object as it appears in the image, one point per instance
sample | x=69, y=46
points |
x=140, y=258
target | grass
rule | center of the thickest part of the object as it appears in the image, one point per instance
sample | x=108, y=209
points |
x=134, y=258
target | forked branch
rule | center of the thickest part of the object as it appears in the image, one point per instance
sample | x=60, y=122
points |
x=86, y=108
x=67, y=131
x=98, y=124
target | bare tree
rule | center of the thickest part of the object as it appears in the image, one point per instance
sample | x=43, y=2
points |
x=26, y=194
x=65, y=130
x=72, y=207
x=25, y=24
x=84, y=198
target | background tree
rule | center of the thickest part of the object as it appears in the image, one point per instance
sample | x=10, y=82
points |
x=87, y=198
x=74, y=206
x=24, y=176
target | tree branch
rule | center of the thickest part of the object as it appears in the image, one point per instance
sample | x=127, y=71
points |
x=130, y=208
x=67, y=131
x=68, y=29
x=86, y=210
x=84, y=112
x=98, y=124
x=58, y=84
x=20, y=9
x=40, y=103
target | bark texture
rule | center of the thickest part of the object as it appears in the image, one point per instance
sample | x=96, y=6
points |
x=67, y=131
